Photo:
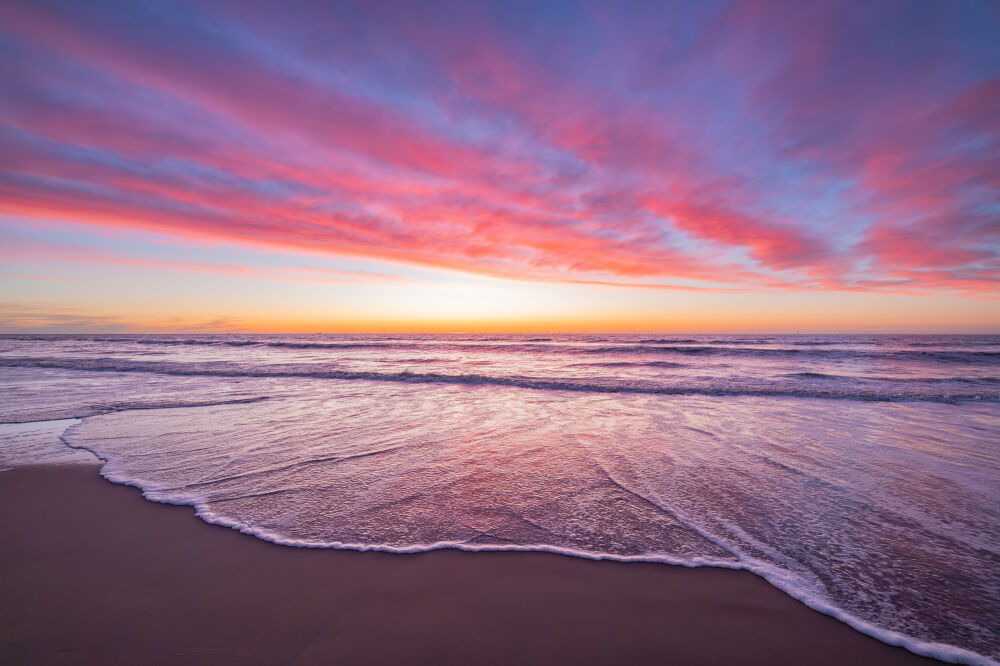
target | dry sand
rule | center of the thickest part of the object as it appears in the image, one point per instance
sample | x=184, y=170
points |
x=90, y=573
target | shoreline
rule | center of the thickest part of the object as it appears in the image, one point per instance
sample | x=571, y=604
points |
x=96, y=573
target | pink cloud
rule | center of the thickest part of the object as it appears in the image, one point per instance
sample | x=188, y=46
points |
x=499, y=158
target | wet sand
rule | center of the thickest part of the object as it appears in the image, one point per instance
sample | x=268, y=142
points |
x=92, y=573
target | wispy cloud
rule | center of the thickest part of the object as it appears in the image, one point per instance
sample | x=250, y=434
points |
x=746, y=144
x=22, y=250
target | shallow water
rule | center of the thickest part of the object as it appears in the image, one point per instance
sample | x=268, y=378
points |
x=861, y=474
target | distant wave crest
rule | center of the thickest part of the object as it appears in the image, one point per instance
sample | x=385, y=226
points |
x=715, y=386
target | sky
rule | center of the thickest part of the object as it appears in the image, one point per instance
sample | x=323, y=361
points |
x=717, y=166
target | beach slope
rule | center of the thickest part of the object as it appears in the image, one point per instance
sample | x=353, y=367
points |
x=92, y=573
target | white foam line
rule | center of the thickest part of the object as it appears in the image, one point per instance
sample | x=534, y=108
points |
x=779, y=578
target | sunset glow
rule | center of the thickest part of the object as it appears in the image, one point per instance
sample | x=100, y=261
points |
x=717, y=166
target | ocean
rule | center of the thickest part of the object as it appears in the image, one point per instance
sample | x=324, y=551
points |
x=859, y=474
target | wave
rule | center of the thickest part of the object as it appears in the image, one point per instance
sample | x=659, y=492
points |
x=388, y=344
x=986, y=381
x=263, y=343
x=99, y=409
x=957, y=343
x=634, y=364
x=958, y=356
x=910, y=350
x=717, y=387
x=813, y=375
x=776, y=575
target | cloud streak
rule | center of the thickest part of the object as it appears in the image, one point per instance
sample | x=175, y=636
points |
x=748, y=145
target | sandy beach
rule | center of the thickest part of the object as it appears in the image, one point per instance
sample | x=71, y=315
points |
x=92, y=573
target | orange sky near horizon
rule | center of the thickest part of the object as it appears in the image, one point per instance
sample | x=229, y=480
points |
x=83, y=293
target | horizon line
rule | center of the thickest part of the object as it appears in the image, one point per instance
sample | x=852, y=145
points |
x=514, y=333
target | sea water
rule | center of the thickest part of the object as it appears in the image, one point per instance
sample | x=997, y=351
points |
x=860, y=474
